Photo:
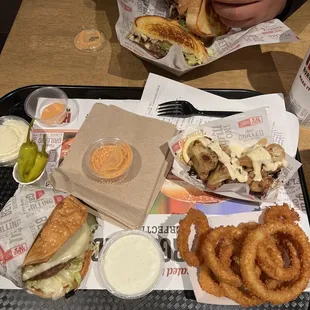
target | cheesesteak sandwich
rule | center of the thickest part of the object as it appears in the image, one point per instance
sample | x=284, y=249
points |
x=60, y=256
x=156, y=35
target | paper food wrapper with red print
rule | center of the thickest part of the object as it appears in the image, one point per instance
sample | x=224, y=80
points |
x=273, y=31
x=244, y=130
x=21, y=220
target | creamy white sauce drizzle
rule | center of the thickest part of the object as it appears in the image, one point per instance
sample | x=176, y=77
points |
x=261, y=157
x=132, y=264
x=236, y=150
x=231, y=163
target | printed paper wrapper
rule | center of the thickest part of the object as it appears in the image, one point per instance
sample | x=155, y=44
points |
x=21, y=220
x=244, y=129
x=234, y=219
x=273, y=31
x=24, y=215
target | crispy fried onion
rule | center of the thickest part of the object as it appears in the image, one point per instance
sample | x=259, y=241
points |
x=209, y=251
x=287, y=291
x=197, y=218
x=270, y=259
x=280, y=213
x=251, y=263
x=208, y=281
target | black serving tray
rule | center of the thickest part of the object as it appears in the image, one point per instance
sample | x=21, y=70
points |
x=13, y=104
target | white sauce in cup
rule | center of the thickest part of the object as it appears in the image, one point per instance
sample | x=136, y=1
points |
x=132, y=265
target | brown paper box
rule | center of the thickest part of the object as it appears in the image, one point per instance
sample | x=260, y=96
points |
x=127, y=204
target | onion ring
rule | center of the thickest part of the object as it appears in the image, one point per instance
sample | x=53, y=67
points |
x=241, y=295
x=229, y=252
x=283, y=214
x=199, y=219
x=214, y=238
x=248, y=258
x=274, y=266
x=208, y=282
x=249, y=226
x=272, y=284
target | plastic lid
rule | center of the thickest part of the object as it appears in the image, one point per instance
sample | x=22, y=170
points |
x=117, y=236
x=89, y=40
x=107, y=160
x=48, y=105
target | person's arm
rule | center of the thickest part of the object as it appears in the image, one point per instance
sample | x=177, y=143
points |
x=290, y=8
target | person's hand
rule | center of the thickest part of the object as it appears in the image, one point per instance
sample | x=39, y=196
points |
x=247, y=13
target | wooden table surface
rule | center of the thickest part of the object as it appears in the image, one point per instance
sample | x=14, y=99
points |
x=40, y=50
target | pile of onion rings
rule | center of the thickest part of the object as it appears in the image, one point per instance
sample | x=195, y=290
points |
x=252, y=263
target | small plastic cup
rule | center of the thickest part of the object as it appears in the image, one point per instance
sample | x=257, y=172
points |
x=48, y=105
x=89, y=40
x=10, y=162
x=116, y=236
x=107, y=160
x=39, y=181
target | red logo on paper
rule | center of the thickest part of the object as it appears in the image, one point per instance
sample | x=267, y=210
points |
x=1, y=254
x=252, y=121
x=39, y=194
x=126, y=7
x=11, y=253
x=177, y=146
x=58, y=199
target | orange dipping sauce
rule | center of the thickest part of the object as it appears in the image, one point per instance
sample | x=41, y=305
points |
x=112, y=160
x=55, y=113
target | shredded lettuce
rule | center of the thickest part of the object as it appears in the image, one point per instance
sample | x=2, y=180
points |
x=166, y=46
x=92, y=222
x=93, y=225
x=64, y=278
x=182, y=23
x=191, y=59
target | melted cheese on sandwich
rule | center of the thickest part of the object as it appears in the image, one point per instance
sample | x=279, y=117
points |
x=72, y=248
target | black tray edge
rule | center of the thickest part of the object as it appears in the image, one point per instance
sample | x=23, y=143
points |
x=247, y=93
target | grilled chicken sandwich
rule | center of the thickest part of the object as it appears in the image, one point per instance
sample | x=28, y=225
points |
x=156, y=35
x=60, y=256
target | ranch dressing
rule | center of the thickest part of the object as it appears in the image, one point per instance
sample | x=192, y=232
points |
x=132, y=264
x=260, y=156
x=231, y=163
x=12, y=134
